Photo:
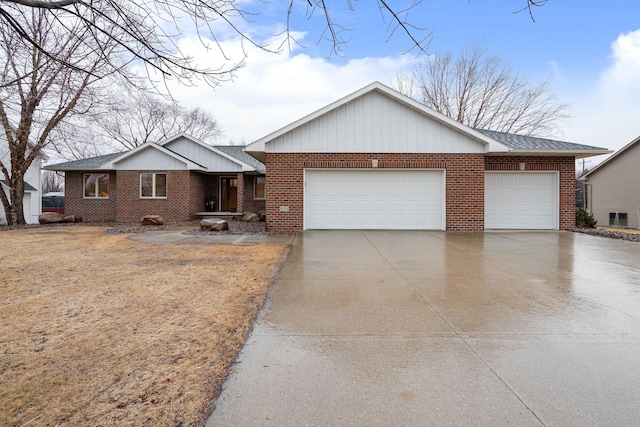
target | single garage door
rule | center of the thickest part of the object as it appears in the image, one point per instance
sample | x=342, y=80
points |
x=521, y=200
x=374, y=199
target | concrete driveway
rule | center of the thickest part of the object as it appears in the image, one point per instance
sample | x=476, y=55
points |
x=434, y=328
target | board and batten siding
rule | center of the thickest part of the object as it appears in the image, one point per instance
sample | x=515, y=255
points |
x=203, y=156
x=150, y=159
x=374, y=123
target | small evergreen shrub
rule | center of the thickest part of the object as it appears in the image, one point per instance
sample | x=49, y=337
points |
x=584, y=219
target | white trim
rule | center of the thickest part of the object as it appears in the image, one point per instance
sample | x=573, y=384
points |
x=96, y=197
x=245, y=166
x=490, y=144
x=614, y=156
x=443, y=224
x=556, y=189
x=150, y=145
x=264, y=185
x=153, y=185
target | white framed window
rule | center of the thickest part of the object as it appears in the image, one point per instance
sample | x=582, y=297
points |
x=153, y=185
x=258, y=187
x=96, y=185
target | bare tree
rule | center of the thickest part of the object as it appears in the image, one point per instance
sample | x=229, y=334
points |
x=38, y=92
x=52, y=182
x=149, y=31
x=131, y=119
x=479, y=91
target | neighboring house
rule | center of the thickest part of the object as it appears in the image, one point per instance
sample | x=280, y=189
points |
x=32, y=185
x=612, y=192
x=173, y=178
x=377, y=159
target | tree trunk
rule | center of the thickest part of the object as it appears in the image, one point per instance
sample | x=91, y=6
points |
x=17, y=198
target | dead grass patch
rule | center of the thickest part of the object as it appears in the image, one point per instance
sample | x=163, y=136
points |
x=98, y=330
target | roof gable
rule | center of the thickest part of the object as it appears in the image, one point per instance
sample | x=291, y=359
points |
x=626, y=150
x=375, y=119
x=151, y=156
x=214, y=159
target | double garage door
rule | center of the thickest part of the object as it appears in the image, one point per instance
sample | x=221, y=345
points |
x=374, y=199
x=415, y=200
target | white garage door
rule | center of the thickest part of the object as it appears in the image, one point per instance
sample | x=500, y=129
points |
x=374, y=199
x=521, y=200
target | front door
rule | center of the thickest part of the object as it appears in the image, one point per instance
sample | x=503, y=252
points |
x=228, y=194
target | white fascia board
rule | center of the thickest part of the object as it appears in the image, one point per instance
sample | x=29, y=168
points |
x=245, y=167
x=259, y=146
x=150, y=145
x=579, y=154
x=610, y=158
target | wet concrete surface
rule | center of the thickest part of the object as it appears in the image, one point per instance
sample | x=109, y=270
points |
x=176, y=236
x=434, y=328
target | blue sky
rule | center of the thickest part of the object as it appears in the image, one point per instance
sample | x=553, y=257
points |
x=590, y=50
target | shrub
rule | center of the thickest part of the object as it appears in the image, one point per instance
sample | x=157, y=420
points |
x=584, y=219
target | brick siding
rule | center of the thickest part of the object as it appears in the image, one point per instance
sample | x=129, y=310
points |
x=91, y=210
x=464, y=182
x=251, y=204
x=564, y=165
x=131, y=208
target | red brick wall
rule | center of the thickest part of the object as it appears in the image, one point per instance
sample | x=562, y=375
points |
x=464, y=176
x=200, y=189
x=464, y=182
x=131, y=208
x=251, y=204
x=564, y=165
x=90, y=210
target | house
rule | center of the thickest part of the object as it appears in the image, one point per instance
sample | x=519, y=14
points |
x=612, y=194
x=31, y=201
x=173, y=178
x=377, y=159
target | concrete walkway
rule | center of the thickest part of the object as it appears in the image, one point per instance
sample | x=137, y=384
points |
x=433, y=328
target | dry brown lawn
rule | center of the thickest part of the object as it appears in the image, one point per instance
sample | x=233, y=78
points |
x=96, y=329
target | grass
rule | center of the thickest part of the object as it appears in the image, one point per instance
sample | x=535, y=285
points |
x=96, y=329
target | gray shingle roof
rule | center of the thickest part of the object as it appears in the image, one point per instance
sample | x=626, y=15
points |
x=238, y=152
x=89, y=163
x=27, y=187
x=523, y=142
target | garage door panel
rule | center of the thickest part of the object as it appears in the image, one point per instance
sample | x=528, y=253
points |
x=374, y=199
x=521, y=200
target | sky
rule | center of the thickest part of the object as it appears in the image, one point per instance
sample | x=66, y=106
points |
x=589, y=50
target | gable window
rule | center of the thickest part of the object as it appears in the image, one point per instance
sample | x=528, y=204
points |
x=258, y=187
x=153, y=185
x=96, y=185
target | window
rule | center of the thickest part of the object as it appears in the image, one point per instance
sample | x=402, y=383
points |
x=258, y=187
x=153, y=185
x=618, y=219
x=96, y=185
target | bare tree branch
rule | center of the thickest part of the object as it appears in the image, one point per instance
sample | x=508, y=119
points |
x=479, y=91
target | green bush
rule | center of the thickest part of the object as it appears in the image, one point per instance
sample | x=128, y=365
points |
x=584, y=219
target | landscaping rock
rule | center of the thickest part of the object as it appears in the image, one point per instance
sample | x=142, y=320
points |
x=56, y=218
x=262, y=215
x=50, y=218
x=213, y=224
x=152, y=220
x=251, y=217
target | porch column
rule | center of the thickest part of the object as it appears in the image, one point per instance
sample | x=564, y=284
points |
x=241, y=192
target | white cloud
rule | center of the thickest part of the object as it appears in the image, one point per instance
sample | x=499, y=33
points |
x=607, y=114
x=273, y=90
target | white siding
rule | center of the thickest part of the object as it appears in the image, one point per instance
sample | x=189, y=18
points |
x=150, y=159
x=32, y=201
x=374, y=123
x=213, y=161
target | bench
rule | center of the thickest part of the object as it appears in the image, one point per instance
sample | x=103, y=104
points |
x=221, y=215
